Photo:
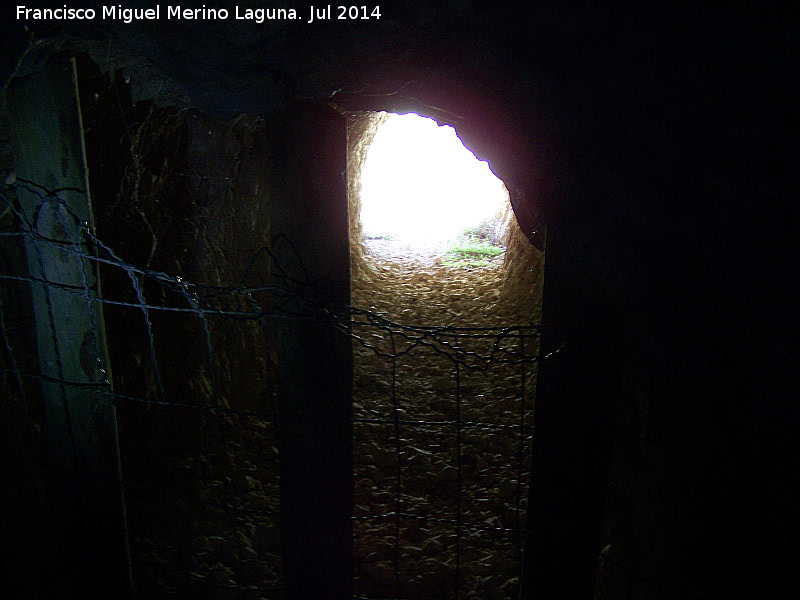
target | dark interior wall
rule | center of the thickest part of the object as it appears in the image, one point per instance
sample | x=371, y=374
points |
x=653, y=144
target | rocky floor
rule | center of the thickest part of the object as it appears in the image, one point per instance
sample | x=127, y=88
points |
x=445, y=457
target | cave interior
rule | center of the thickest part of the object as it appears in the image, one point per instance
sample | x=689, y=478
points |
x=645, y=151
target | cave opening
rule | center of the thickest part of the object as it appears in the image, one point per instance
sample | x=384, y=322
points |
x=444, y=375
x=422, y=188
x=430, y=222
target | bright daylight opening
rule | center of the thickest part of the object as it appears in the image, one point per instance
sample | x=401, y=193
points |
x=422, y=187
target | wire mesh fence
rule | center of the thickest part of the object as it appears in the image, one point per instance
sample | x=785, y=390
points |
x=442, y=424
x=442, y=453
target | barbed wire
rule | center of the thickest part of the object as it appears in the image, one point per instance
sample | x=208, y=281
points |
x=293, y=298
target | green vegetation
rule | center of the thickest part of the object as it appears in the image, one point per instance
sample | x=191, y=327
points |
x=471, y=251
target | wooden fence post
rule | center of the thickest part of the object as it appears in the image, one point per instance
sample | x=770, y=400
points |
x=81, y=426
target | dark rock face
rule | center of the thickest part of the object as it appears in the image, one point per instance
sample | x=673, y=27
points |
x=652, y=147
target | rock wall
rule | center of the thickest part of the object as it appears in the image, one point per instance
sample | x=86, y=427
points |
x=183, y=198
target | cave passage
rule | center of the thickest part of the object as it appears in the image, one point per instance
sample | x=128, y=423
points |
x=444, y=364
